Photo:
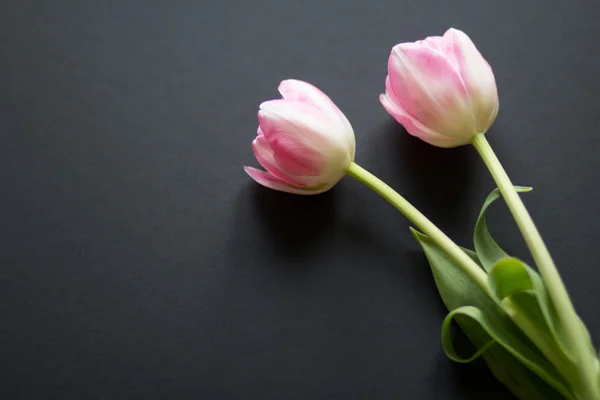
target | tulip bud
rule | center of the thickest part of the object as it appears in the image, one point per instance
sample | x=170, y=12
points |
x=304, y=141
x=441, y=89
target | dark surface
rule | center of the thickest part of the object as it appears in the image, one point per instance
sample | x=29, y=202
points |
x=138, y=261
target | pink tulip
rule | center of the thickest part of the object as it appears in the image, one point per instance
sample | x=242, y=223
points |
x=304, y=141
x=441, y=89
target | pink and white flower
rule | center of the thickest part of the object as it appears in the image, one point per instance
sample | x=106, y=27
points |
x=441, y=89
x=304, y=141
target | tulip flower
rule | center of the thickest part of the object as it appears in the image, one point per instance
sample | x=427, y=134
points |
x=304, y=141
x=441, y=89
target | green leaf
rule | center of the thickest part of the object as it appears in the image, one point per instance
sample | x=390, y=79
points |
x=523, y=383
x=501, y=333
x=455, y=286
x=512, y=278
x=458, y=290
x=487, y=249
x=509, y=276
x=525, y=293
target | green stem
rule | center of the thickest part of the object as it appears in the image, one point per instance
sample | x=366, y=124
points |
x=465, y=262
x=558, y=293
x=415, y=216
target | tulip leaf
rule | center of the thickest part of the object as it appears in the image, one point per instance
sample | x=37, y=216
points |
x=523, y=383
x=506, y=335
x=486, y=247
x=511, y=357
x=455, y=287
x=511, y=278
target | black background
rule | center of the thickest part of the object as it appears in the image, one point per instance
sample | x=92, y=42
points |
x=138, y=261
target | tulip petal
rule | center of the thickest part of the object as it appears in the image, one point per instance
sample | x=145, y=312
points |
x=292, y=89
x=430, y=89
x=299, y=120
x=272, y=182
x=303, y=141
x=477, y=76
x=296, y=90
x=415, y=128
x=435, y=42
x=264, y=154
x=295, y=158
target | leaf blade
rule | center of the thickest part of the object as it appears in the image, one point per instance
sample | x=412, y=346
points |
x=457, y=290
x=487, y=249
x=509, y=278
x=499, y=334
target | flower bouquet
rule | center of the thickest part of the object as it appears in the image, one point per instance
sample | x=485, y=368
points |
x=521, y=321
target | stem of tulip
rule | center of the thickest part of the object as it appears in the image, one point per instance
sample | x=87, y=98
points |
x=585, y=360
x=459, y=256
x=415, y=216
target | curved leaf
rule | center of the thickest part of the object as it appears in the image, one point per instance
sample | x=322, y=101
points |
x=487, y=249
x=522, y=382
x=498, y=333
x=458, y=290
x=510, y=277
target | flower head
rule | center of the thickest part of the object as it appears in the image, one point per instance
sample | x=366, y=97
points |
x=304, y=141
x=441, y=89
